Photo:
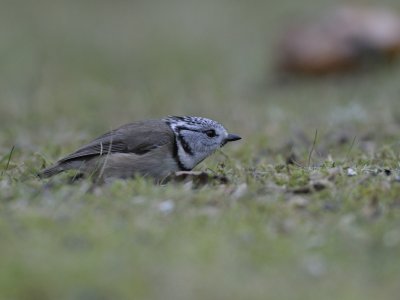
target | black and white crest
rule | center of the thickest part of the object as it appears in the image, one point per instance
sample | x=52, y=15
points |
x=192, y=122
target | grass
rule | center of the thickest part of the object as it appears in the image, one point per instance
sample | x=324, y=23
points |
x=290, y=224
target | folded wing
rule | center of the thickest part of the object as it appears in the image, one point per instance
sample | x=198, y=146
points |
x=138, y=138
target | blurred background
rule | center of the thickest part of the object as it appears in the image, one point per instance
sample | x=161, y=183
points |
x=83, y=67
x=70, y=70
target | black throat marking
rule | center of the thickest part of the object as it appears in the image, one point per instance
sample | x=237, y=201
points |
x=184, y=144
x=181, y=166
x=180, y=143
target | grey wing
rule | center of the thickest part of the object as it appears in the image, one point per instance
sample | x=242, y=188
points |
x=138, y=138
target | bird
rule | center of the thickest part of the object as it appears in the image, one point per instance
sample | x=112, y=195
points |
x=150, y=148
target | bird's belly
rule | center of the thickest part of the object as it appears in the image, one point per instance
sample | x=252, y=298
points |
x=126, y=165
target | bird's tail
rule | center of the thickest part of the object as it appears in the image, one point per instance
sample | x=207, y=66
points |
x=51, y=171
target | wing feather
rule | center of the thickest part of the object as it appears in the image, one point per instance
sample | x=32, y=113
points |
x=138, y=138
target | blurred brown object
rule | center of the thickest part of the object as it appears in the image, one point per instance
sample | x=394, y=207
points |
x=344, y=39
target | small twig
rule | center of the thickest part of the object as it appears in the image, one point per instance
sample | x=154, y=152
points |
x=103, y=167
x=313, y=147
x=351, y=147
x=8, y=161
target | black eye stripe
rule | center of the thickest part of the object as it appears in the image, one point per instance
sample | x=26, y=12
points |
x=180, y=128
x=209, y=132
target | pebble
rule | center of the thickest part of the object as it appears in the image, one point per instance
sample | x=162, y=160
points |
x=351, y=172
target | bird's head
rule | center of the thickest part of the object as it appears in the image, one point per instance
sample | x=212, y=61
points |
x=196, y=138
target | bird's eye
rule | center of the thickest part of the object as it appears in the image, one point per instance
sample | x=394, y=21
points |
x=210, y=133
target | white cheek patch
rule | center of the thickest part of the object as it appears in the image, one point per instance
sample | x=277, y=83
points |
x=186, y=159
x=190, y=161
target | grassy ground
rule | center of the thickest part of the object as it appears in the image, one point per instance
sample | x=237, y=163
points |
x=71, y=70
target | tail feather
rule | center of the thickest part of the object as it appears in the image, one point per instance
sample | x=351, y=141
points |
x=51, y=171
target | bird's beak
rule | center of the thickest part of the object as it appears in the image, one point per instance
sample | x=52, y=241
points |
x=230, y=138
x=233, y=137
